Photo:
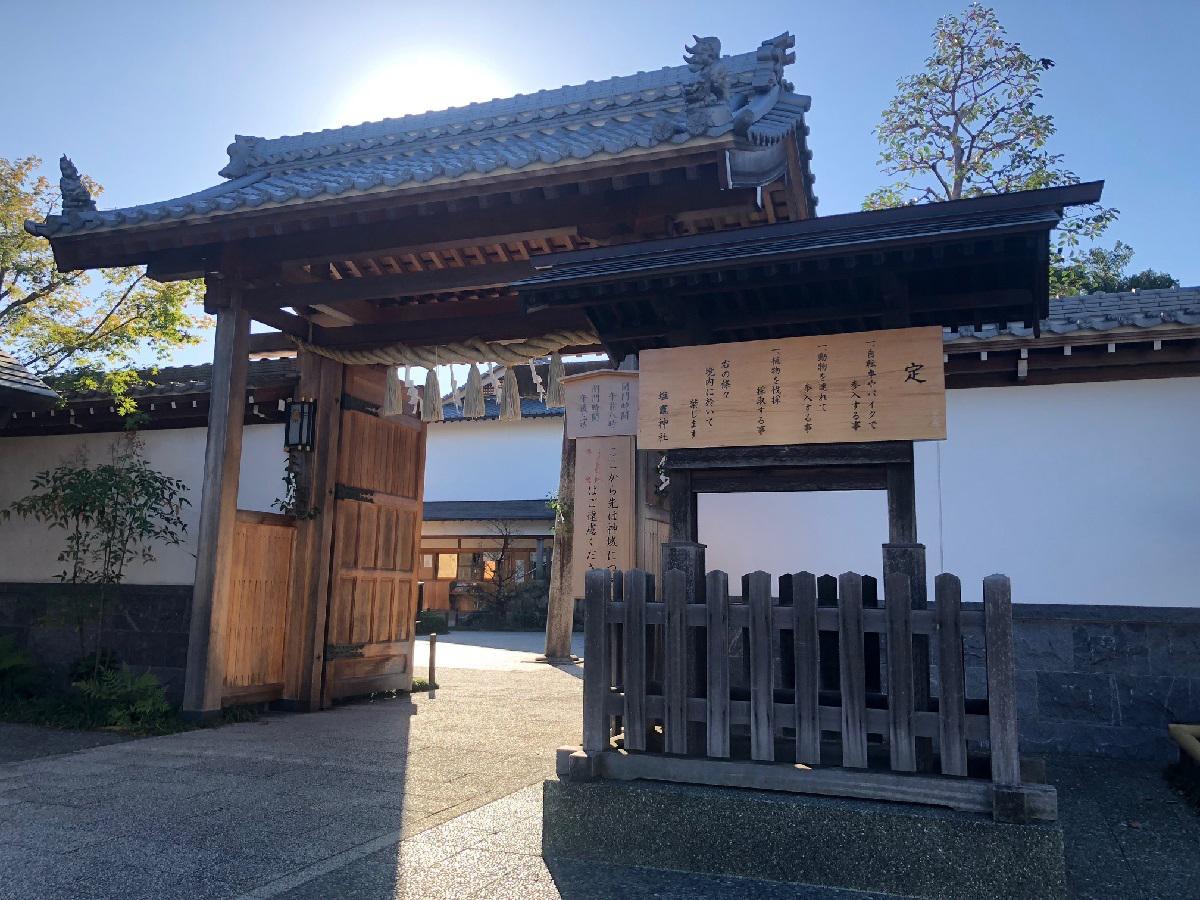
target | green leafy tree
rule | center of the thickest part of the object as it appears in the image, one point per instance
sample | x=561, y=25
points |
x=969, y=124
x=78, y=329
x=1107, y=270
x=113, y=514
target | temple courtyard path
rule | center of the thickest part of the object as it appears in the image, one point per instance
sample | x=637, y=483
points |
x=434, y=797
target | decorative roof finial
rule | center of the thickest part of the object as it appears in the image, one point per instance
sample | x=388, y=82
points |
x=770, y=59
x=240, y=156
x=75, y=195
x=711, y=85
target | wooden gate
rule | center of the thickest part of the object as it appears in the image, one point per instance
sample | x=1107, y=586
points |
x=376, y=543
x=258, y=615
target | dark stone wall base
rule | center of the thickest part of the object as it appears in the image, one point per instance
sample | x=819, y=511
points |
x=864, y=846
x=146, y=626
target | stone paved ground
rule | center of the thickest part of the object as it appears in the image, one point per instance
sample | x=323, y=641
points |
x=19, y=742
x=435, y=797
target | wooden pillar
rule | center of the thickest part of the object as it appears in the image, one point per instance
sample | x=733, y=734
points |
x=684, y=518
x=304, y=642
x=560, y=612
x=205, y=673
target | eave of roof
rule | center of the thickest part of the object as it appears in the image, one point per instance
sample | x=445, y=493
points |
x=21, y=388
x=1100, y=318
x=859, y=230
x=486, y=510
x=620, y=116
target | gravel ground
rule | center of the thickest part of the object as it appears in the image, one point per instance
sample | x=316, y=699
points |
x=433, y=796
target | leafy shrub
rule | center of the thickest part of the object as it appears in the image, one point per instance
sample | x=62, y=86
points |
x=18, y=673
x=94, y=664
x=128, y=701
x=431, y=621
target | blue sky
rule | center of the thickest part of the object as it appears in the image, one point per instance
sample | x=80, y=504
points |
x=145, y=96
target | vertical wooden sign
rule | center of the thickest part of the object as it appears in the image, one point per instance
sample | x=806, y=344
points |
x=601, y=403
x=603, y=510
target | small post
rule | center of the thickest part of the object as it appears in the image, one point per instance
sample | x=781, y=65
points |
x=596, y=680
x=1001, y=680
x=853, y=671
x=432, y=663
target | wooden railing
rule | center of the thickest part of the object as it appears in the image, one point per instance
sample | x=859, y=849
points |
x=666, y=699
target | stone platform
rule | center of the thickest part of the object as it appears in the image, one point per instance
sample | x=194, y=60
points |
x=866, y=846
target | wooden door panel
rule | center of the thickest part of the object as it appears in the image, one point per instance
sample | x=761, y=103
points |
x=380, y=476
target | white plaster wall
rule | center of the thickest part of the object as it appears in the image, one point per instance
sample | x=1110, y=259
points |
x=1085, y=493
x=491, y=460
x=28, y=550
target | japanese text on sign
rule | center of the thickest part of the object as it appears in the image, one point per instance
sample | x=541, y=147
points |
x=603, y=511
x=869, y=386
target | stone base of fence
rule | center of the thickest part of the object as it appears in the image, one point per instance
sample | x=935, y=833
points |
x=866, y=846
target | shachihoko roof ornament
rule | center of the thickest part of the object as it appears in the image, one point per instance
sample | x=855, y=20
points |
x=744, y=96
x=75, y=195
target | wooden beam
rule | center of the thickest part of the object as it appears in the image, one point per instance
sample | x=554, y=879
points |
x=211, y=594
x=335, y=293
x=443, y=331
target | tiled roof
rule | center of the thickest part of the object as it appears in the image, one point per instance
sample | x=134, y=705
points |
x=176, y=381
x=548, y=128
x=19, y=386
x=1097, y=314
x=484, y=510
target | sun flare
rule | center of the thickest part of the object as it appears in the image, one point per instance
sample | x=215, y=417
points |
x=419, y=83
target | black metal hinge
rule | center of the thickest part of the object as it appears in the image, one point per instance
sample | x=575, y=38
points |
x=357, y=404
x=343, y=651
x=349, y=492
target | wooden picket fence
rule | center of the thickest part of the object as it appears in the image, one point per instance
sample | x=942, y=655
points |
x=660, y=702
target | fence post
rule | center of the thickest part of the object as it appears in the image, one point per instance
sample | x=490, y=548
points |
x=909, y=560
x=637, y=589
x=688, y=557
x=756, y=589
x=853, y=671
x=676, y=664
x=802, y=589
x=952, y=724
x=596, y=679
x=901, y=747
x=717, y=693
x=1001, y=680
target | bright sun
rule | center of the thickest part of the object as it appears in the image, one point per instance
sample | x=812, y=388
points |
x=419, y=83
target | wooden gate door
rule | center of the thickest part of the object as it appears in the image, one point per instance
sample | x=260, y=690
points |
x=376, y=543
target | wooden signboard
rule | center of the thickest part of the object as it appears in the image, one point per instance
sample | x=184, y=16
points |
x=601, y=403
x=603, y=511
x=866, y=386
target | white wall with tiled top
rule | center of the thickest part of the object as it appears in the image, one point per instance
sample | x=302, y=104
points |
x=1086, y=493
x=1081, y=493
x=492, y=460
x=28, y=549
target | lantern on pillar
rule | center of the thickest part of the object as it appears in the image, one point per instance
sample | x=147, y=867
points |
x=299, y=430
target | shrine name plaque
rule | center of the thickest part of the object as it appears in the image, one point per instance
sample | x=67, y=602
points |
x=865, y=386
x=603, y=510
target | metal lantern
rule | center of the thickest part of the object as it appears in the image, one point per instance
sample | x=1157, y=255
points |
x=299, y=430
